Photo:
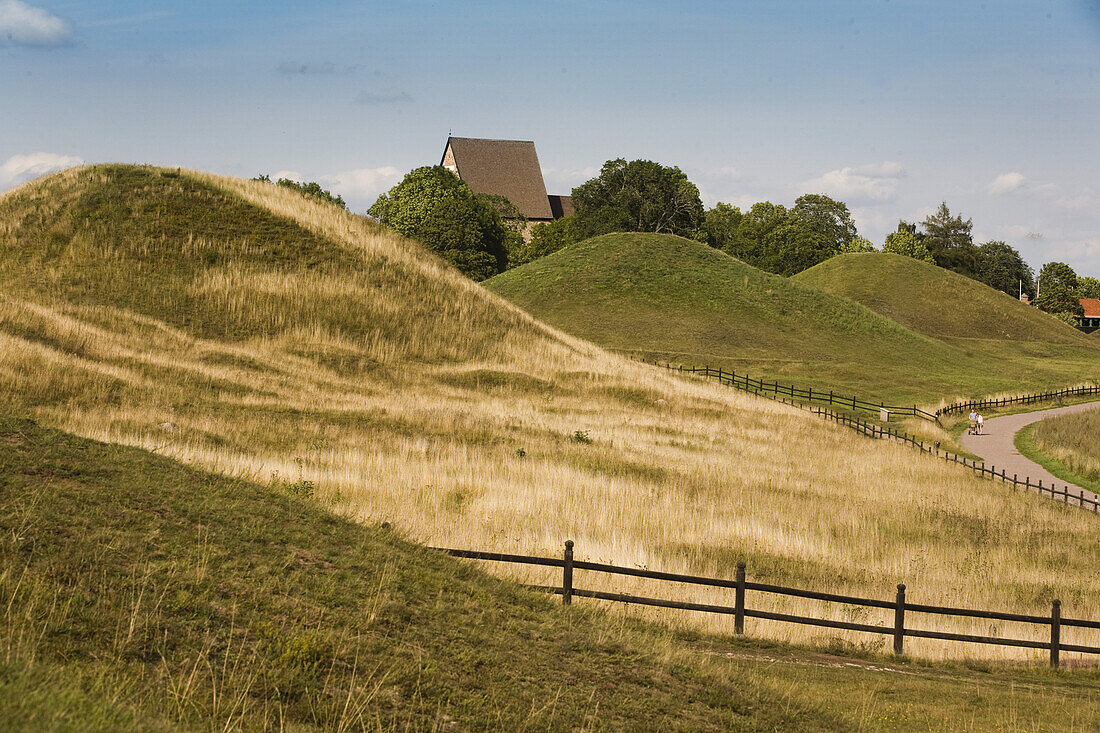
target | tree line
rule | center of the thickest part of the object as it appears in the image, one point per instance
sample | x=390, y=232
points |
x=484, y=235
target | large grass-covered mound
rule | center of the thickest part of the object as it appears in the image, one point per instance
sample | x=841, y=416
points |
x=936, y=302
x=141, y=595
x=259, y=334
x=670, y=298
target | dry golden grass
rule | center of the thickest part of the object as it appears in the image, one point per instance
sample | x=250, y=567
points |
x=408, y=394
x=1073, y=440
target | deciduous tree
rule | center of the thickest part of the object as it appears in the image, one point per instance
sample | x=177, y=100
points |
x=639, y=196
x=1058, y=290
x=1001, y=267
x=905, y=242
x=435, y=207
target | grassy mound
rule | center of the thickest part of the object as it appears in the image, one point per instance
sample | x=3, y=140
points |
x=934, y=301
x=235, y=260
x=142, y=595
x=671, y=298
x=402, y=392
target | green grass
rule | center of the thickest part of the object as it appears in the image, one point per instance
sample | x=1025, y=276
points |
x=668, y=298
x=140, y=594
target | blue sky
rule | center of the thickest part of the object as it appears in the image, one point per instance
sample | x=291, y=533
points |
x=890, y=106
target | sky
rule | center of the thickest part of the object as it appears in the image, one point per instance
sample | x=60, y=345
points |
x=891, y=106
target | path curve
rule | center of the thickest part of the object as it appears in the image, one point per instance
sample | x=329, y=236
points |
x=997, y=446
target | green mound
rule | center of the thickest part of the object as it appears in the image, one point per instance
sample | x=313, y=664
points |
x=235, y=260
x=934, y=301
x=670, y=298
x=143, y=595
x=673, y=299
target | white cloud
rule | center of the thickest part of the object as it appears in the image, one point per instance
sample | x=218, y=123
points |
x=869, y=184
x=560, y=181
x=1006, y=183
x=885, y=169
x=26, y=25
x=21, y=168
x=360, y=187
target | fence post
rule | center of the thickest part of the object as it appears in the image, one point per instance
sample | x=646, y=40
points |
x=567, y=575
x=739, y=601
x=899, y=620
x=1055, y=631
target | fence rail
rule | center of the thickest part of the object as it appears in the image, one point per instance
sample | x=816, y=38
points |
x=809, y=394
x=740, y=610
x=874, y=430
x=1021, y=400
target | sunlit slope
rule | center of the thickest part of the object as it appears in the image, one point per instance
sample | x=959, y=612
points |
x=264, y=609
x=936, y=302
x=409, y=394
x=238, y=260
x=672, y=298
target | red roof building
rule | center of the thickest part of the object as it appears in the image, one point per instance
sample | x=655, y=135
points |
x=1090, y=321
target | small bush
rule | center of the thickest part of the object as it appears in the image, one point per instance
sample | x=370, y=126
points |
x=581, y=436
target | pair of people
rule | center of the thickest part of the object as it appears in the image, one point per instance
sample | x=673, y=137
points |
x=977, y=422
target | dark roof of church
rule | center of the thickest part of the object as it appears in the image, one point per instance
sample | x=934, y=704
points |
x=561, y=205
x=508, y=168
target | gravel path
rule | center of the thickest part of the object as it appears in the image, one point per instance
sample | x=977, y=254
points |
x=997, y=446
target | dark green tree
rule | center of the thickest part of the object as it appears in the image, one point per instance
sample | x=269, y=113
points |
x=1058, y=290
x=1001, y=267
x=435, y=207
x=639, y=196
x=828, y=218
x=720, y=227
x=949, y=240
x=792, y=247
x=1088, y=287
x=755, y=234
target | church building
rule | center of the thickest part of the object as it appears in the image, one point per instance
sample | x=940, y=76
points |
x=508, y=168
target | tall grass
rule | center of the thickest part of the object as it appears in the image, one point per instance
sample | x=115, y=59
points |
x=405, y=393
x=1072, y=440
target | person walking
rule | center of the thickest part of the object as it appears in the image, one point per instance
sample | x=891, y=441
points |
x=973, y=423
x=981, y=423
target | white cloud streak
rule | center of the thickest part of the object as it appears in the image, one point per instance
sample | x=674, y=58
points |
x=1006, y=183
x=868, y=184
x=22, y=168
x=25, y=25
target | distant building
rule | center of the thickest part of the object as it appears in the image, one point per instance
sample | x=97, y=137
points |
x=1091, y=320
x=508, y=168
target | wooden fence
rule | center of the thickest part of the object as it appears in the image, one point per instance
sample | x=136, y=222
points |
x=1021, y=400
x=809, y=394
x=740, y=611
x=874, y=430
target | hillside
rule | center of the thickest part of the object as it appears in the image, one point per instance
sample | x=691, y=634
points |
x=665, y=297
x=258, y=609
x=330, y=354
x=936, y=302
